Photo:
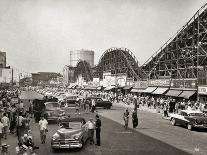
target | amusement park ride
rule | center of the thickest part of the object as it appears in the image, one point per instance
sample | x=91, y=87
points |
x=181, y=57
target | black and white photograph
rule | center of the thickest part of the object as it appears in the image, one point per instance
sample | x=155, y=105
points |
x=103, y=77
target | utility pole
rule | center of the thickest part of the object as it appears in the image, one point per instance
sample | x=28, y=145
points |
x=12, y=81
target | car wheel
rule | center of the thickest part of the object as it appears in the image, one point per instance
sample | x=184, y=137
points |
x=189, y=126
x=173, y=122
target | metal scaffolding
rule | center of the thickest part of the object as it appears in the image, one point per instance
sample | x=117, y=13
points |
x=184, y=54
x=116, y=61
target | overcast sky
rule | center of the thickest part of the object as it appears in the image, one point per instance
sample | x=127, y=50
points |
x=37, y=34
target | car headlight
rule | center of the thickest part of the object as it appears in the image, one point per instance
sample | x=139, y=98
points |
x=55, y=136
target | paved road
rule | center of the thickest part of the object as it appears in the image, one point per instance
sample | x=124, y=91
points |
x=152, y=125
x=154, y=136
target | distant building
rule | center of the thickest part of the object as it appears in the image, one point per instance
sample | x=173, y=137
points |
x=77, y=55
x=44, y=77
x=68, y=74
x=2, y=59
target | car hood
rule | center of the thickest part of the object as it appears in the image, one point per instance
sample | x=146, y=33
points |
x=67, y=133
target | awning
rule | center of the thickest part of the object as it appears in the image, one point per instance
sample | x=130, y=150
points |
x=160, y=90
x=137, y=90
x=109, y=88
x=187, y=94
x=149, y=90
x=127, y=87
x=174, y=93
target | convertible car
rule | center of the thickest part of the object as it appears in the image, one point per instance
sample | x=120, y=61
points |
x=99, y=102
x=190, y=119
x=72, y=134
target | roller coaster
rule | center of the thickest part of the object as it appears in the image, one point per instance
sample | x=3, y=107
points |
x=181, y=57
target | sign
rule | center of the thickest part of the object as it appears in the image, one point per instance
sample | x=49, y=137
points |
x=184, y=83
x=121, y=80
x=109, y=81
x=96, y=82
x=202, y=90
x=129, y=82
x=159, y=82
x=141, y=84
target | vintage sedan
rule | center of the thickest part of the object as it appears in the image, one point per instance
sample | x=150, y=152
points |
x=99, y=102
x=73, y=133
x=53, y=112
x=190, y=119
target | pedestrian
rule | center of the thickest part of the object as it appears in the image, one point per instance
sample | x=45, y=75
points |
x=77, y=107
x=126, y=118
x=5, y=122
x=91, y=127
x=43, y=129
x=98, y=130
x=1, y=131
x=134, y=118
x=20, y=127
x=93, y=103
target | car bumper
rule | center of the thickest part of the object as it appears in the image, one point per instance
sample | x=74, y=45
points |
x=66, y=146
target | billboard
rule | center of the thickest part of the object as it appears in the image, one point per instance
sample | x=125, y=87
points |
x=159, y=82
x=184, y=83
x=5, y=75
x=141, y=84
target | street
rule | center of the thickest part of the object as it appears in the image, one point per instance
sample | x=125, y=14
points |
x=154, y=135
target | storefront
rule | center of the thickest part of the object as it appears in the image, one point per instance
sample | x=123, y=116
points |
x=202, y=92
x=139, y=87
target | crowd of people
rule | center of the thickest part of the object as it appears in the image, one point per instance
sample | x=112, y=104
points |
x=15, y=119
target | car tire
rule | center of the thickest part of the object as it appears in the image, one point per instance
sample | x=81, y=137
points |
x=173, y=122
x=189, y=126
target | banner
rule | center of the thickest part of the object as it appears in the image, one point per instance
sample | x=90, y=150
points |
x=141, y=84
x=184, y=83
x=202, y=90
x=159, y=82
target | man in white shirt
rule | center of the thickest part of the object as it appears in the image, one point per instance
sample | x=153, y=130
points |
x=1, y=130
x=5, y=122
x=91, y=126
x=43, y=129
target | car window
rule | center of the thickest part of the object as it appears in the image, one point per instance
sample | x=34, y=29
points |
x=72, y=125
x=184, y=113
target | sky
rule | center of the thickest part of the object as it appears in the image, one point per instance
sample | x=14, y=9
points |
x=37, y=35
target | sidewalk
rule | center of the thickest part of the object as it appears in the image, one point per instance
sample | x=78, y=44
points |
x=131, y=106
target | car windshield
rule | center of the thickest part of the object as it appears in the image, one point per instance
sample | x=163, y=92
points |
x=52, y=105
x=196, y=114
x=71, y=125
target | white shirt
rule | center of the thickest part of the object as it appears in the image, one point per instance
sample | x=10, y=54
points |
x=5, y=121
x=43, y=124
x=1, y=127
x=21, y=105
x=91, y=125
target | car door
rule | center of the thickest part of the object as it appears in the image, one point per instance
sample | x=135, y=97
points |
x=183, y=120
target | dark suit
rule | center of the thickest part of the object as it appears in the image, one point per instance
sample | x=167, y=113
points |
x=98, y=131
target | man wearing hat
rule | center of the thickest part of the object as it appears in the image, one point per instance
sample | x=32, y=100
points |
x=98, y=130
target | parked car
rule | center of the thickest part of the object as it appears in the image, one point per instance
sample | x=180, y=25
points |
x=70, y=100
x=190, y=119
x=53, y=112
x=72, y=134
x=99, y=102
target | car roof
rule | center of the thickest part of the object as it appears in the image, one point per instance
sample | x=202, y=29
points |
x=191, y=111
x=73, y=119
x=51, y=103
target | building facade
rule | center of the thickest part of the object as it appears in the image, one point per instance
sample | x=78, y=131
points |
x=2, y=59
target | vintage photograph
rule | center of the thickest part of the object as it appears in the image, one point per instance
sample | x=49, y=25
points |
x=103, y=77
